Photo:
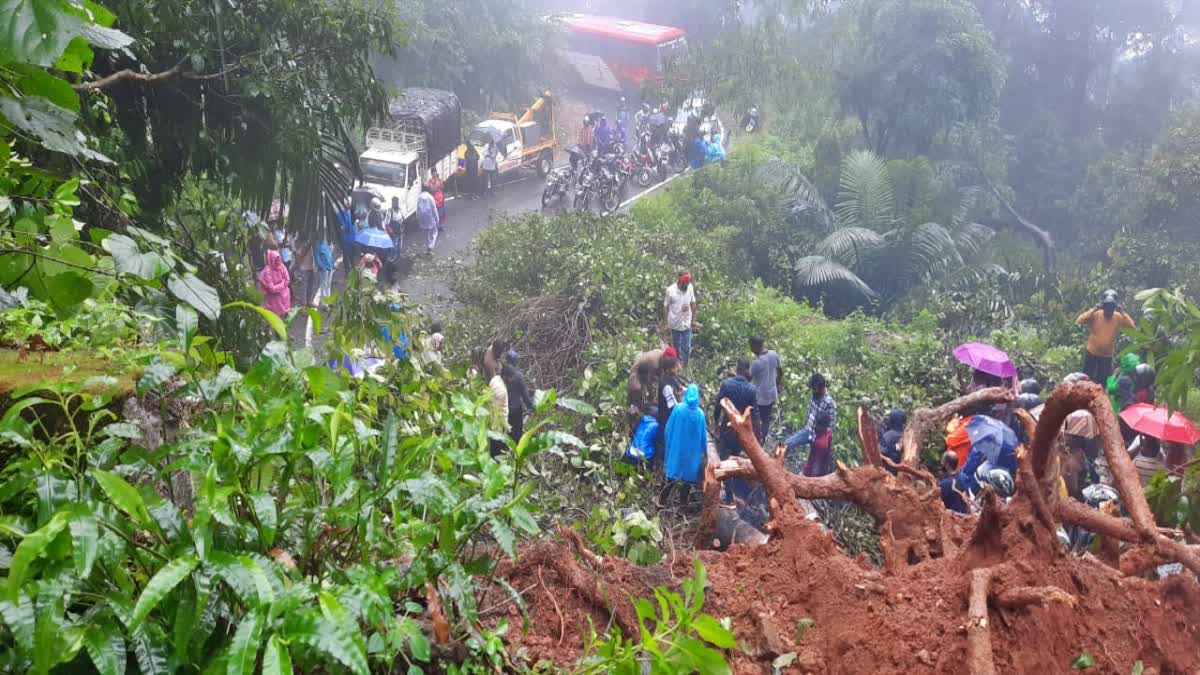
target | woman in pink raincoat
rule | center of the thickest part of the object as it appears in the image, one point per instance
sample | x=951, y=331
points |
x=275, y=284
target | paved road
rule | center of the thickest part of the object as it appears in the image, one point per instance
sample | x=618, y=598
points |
x=424, y=280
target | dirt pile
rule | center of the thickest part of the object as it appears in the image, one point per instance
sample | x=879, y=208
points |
x=992, y=593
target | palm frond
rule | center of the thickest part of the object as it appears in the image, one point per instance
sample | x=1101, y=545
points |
x=971, y=238
x=800, y=197
x=968, y=199
x=814, y=272
x=850, y=245
x=866, y=198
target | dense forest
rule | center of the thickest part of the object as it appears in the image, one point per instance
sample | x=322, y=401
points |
x=187, y=485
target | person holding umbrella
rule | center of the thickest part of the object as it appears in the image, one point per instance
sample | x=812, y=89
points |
x=1104, y=321
x=374, y=242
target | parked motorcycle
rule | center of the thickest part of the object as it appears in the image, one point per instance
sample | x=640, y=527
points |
x=560, y=180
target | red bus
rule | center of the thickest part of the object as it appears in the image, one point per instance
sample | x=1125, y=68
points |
x=617, y=54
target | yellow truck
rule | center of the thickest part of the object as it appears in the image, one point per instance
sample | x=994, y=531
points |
x=528, y=141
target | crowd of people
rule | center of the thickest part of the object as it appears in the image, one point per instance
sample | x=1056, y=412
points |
x=670, y=431
x=701, y=139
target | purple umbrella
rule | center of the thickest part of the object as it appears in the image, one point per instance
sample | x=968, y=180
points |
x=985, y=358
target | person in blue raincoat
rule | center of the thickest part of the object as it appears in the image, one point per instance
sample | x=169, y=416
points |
x=641, y=449
x=687, y=442
x=993, y=446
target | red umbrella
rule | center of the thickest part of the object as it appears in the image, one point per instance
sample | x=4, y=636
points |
x=1145, y=418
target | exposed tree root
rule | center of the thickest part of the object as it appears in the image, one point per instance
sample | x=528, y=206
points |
x=1016, y=598
x=979, y=633
x=710, y=516
x=868, y=438
x=589, y=585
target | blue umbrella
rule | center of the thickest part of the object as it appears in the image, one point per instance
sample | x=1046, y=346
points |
x=994, y=439
x=374, y=237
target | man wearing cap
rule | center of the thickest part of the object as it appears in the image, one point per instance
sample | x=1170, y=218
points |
x=1104, y=321
x=679, y=314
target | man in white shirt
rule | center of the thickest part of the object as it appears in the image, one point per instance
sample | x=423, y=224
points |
x=679, y=314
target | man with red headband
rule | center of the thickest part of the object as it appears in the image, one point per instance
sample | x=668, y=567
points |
x=679, y=314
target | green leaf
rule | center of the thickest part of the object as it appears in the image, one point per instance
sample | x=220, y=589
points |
x=323, y=381
x=20, y=620
x=577, y=406
x=47, y=638
x=129, y=259
x=184, y=625
x=344, y=639
x=190, y=289
x=243, y=652
x=125, y=497
x=702, y=659
x=186, y=323
x=151, y=655
x=1083, y=662
x=30, y=548
x=418, y=644
x=36, y=81
x=163, y=581
x=224, y=379
x=524, y=521
x=85, y=539
x=504, y=536
x=106, y=646
x=77, y=57
x=37, y=32
x=66, y=291
x=270, y=317
x=246, y=578
x=713, y=632
x=1138, y=668
x=276, y=659
x=264, y=510
x=154, y=376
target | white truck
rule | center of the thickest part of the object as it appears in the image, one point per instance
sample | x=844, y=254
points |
x=423, y=129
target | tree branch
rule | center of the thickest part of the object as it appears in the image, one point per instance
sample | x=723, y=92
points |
x=127, y=74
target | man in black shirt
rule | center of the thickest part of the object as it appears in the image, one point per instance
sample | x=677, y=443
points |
x=742, y=394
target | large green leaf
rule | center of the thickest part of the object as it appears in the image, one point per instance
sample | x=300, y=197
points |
x=344, y=638
x=85, y=538
x=192, y=290
x=38, y=31
x=163, y=581
x=713, y=632
x=20, y=620
x=125, y=497
x=129, y=259
x=67, y=291
x=35, y=81
x=30, y=548
x=150, y=653
x=246, y=577
x=276, y=659
x=243, y=651
x=50, y=124
x=106, y=646
x=264, y=510
x=270, y=317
